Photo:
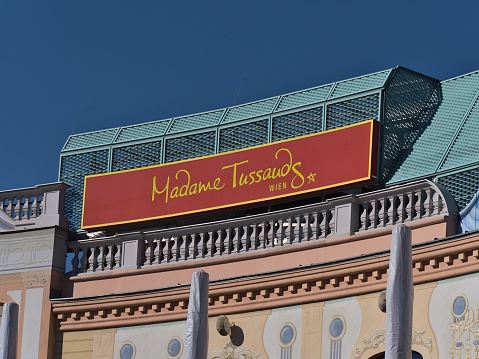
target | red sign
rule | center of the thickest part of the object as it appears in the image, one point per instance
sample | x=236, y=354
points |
x=309, y=163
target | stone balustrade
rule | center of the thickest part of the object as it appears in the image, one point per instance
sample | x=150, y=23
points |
x=38, y=206
x=341, y=216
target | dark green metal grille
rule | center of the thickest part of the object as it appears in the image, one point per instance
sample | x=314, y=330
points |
x=135, y=156
x=197, y=145
x=424, y=156
x=297, y=124
x=146, y=130
x=250, y=110
x=465, y=148
x=353, y=111
x=406, y=97
x=73, y=170
x=91, y=139
x=305, y=97
x=242, y=136
x=462, y=186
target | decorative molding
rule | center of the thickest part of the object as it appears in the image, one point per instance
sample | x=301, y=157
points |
x=230, y=351
x=379, y=337
x=438, y=260
x=418, y=339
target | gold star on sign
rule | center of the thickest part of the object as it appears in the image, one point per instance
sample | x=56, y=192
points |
x=311, y=177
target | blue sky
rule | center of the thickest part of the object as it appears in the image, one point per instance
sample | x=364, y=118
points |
x=147, y=60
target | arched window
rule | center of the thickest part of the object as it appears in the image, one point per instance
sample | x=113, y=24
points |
x=415, y=355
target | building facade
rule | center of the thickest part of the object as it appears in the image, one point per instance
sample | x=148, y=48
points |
x=296, y=245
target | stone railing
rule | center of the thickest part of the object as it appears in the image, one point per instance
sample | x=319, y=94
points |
x=342, y=216
x=38, y=206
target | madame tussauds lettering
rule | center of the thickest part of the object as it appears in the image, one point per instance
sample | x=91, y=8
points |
x=188, y=189
x=239, y=178
x=269, y=173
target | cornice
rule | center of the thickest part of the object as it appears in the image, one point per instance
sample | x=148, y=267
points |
x=432, y=261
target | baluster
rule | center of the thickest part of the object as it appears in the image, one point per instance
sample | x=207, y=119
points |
x=372, y=213
x=322, y=225
x=8, y=207
x=21, y=208
x=216, y=243
x=437, y=203
x=238, y=240
x=75, y=260
x=166, y=249
x=274, y=233
x=206, y=244
x=148, y=251
x=174, y=248
x=332, y=220
x=415, y=211
x=16, y=208
x=401, y=208
x=198, y=245
x=429, y=202
x=157, y=253
x=210, y=244
x=40, y=205
x=283, y=225
x=117, y=255
x=263, y=236
x=363, y=219
x=221, y=245
x=267, y=234
x=255, y=241
x=298, y=229
x=98, y=258
x=85, y=260
x=226, y=241
x=316, y=225
x=249, y=238
x=111, y=256
x=108, y=259
x=410, y=206
x=34, y=208
x=185, y=247
x=307, y=227
x=103, y=255
x=389, y=211
x=292, y=226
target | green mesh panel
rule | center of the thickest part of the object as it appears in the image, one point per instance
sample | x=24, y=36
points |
x=242, y=136
x=136, y=156
x=297, y=124
x=197, y=121
x=304, y=98
x=462, y=186
x=465, y=148
x=197, y=145
x=455, y=97
x=91, y=139
x=146, y=130
x=406, y=97
x=73, y=169
x=250, y=110
x=360, y=84
x=356, y=110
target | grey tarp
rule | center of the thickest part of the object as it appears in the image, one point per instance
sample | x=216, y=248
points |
x=399, y=296
x=196, y=335
x=9, y=331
